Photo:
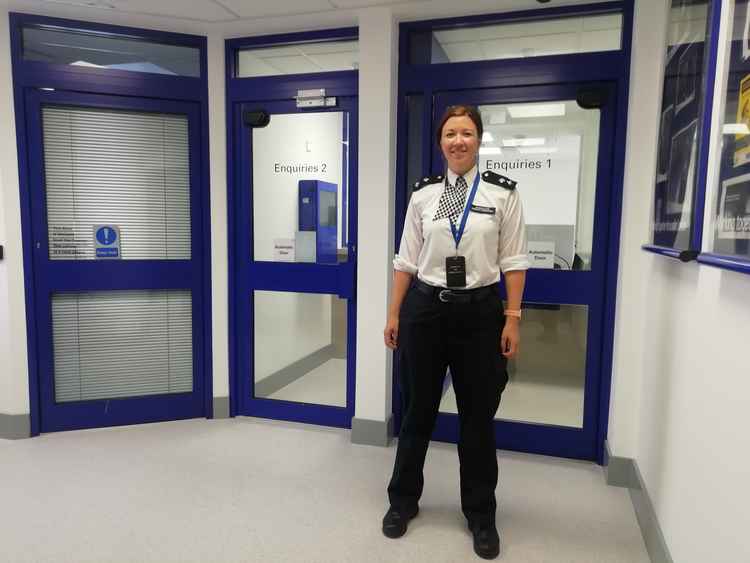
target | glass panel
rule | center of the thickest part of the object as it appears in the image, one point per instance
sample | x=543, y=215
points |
x=122, y=344
x=128, y=172
x=300, y=172
x=91, y=49
x=560, y=36
x=682, y=100
x=730, y=210
x=547, y=379
x=551, y=150
x=302, y=58
x=300, y=347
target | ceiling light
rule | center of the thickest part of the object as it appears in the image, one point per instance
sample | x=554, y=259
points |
x=524, y=142
x=537, y=150
x=490, y=150
x=736, y=129
x=84, y=3
x=536, y=110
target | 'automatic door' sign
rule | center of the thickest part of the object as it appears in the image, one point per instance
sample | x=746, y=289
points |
x=107, y=241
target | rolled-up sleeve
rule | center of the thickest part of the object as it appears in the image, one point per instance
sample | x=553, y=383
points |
x=513, y=247
x=411, y=241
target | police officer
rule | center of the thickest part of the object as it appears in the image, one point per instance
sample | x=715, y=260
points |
x=461, y=231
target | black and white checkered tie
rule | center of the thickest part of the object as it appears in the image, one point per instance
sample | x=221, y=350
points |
x=452, y=200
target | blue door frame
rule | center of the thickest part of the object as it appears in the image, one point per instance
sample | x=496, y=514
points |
x=276, y=95
x=251, y=275
x=38, y=83
x=574, y=287
x=70, y=276
x=527, y=80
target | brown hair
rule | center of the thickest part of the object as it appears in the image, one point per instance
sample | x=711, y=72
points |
x=458, y=111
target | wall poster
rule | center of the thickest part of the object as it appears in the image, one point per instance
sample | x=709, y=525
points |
x=730, y=235
x=680, y=124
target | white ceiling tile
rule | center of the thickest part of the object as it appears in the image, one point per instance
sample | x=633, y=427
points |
x=365, y=3
x=262, y=8
x=267, y=52
x=203, y=10
x=465, y=51
x=336, y=61
x=531, y=46
x=330, y=47
x=538, y=28
x=251, y=65
x=455, y=35
x=598, y=23
x=604, y=40
x=293, y=65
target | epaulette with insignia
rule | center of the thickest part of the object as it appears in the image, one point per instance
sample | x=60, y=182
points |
x=499, y=180
x=427, y=180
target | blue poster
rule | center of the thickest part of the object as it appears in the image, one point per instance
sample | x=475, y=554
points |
x=679, y=126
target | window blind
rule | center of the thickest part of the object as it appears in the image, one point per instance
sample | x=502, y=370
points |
x=110, y=344
x=122, y=168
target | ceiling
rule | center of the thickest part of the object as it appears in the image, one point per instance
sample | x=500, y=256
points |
x=218, y=11
x=229, y=11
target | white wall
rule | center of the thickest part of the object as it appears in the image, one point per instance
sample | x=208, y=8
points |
x=693, y=448
x=219, y=232
x=648, y=38
x=378, y=44
x=5, y=372
x=14, y=394
x=680, y=381
x=288, y=327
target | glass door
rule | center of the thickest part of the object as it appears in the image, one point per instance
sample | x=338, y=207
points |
x=556, y=142
x=118, y=258
x=296, y=261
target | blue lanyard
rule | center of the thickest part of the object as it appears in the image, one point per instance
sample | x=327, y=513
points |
x=460, y=233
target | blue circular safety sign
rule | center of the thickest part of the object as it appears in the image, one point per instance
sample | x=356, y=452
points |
x=106, y=235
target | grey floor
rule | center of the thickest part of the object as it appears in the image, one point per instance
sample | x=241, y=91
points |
x=253, y=490
x=526, y=400
x=543, y=398
x=325, y=385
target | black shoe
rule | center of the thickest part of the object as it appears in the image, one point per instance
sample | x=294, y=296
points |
x=486, y=541
x=396, y=520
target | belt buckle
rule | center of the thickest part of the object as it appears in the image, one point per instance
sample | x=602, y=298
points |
x=443, y=293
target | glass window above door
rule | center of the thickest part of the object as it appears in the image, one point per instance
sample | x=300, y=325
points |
x=536, y=38
x=301, y=58
x=109, y=51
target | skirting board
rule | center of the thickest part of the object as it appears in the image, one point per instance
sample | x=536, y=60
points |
x=15, y=426
x=291, y=373
x=624, y=472
x=372, y=432
x=221, y=407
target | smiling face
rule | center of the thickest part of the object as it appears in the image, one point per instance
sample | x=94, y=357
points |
x=459, y=142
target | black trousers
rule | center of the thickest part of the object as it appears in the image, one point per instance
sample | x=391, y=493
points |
x=434, y=335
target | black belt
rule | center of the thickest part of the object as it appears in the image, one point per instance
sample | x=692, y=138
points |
x=456, y=295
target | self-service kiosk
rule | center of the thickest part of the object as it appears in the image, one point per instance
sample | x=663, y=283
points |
x=318, y=222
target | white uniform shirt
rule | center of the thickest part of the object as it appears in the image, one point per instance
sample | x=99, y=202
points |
x=493, y=241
